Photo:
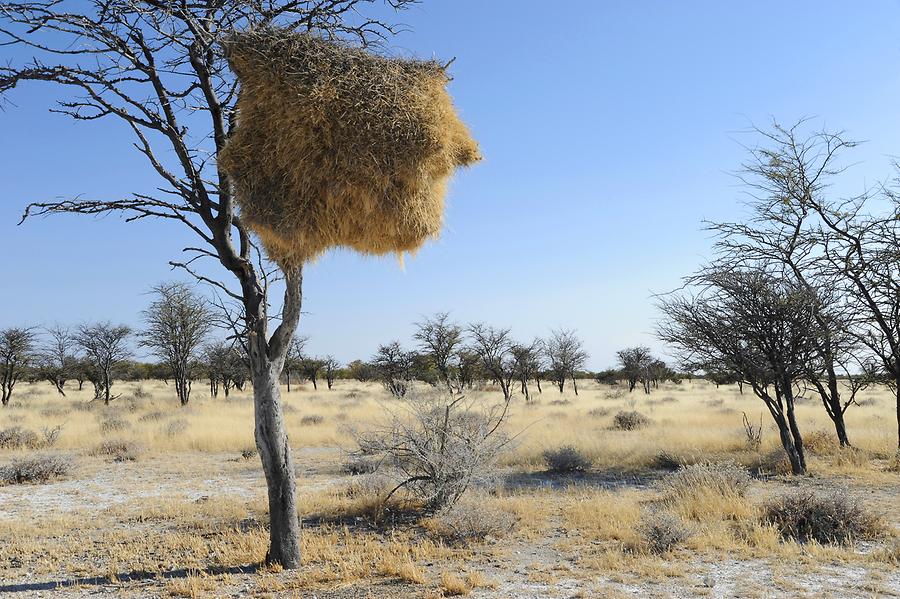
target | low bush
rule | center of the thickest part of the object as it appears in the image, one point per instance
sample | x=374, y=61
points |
x=773, y=463
x=113, y=424
x=566, y=460
x=629, y=420
x=466, y=523
x=16, y=437
x=820, y=442
x=830, y=518
x=360, y=464
x=598, y=412
x=51, y=435
x=722, y=478
x=312, y=419
x=176, y=427
x=119, y=451
x=661, y=532
x=153, y=416
x=35, y=470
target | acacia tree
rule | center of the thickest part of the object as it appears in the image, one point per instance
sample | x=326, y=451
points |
x=635, y=363
x=494, y=348
x=759, y=327
x=56, y=361
x=158, y=69
x=105, y=346
x=439, y=338
x=178, y=321
x=16, y=352
x=565, y=357
x=394, y=367
x=528, y=364
x=331, y=367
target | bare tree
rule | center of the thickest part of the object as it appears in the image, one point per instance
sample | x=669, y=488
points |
x=494, y=348
x=394, y=367
x=158, y=68
x=177, y=322
x=760, y=327
x=528, y=363
x=565, y=357
x=16, y=353
x=331, y=367
x=439, y=338
x=635, y=363
x=56, y=358
x=104, y=345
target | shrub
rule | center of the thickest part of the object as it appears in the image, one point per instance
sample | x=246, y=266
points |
x=661, y=532
x=466, y=523
x=140, y=393
x=629, y=420
x=312, y=419
x=566, y=460
x=34, y=470
x=176, y=427
x=16, y=437
x=832, y=518
x=723, y=478
x=820, y=442
x=113, y=424
x=249, y=452
x=893, y=463
x=666, y=460
x=119, y=451
x=438, y=445
x=51, y=435
x=153, y=416
x=598, y=412
x=358, y=464
x=775, y=462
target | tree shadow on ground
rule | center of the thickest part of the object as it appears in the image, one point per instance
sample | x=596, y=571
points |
x=122, y=577
x=606, y=480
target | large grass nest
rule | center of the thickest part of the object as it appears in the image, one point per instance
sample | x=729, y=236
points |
x=337, y=147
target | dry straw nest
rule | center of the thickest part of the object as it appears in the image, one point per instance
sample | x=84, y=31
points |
x=335, y=146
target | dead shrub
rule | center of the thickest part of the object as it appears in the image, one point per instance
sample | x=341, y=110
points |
x=16, y=437
x=35, y=470
x=661, y=532
x=598, y=412
x=51, y=435
x=176, y=427
x=312, y=420
x=466, y=523
x=438, y=445
x=117, y=450
x=154, y=416
x=566, y=460
x=113, y=424
x=829, y=518
x=629, y=420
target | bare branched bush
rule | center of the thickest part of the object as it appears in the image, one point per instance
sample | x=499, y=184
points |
x=438, y=445
x=117, y=450
x=661, y=532
x=467, y=522
x=630, y=420
x=752, y=433
x=829, y=518
x=35, y=470
x=16, y=437
x=154, y=416
x=566, y=460
x=113, y=424
x=51, y=435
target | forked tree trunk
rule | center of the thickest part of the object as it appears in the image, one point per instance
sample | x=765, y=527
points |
x=277, y=460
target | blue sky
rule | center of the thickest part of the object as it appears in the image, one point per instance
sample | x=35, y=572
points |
x=610, y=131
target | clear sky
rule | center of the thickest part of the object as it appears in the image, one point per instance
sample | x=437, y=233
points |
x=610, y=131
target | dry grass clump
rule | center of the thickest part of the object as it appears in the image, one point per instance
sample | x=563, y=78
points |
x=468, y=522
x=820, y=442
x=722, y=478
x=113, y=424
x=566, y=460
x=312, y=420
x=629, y=420
x=336, y=146
x=831, y=518
x=453, y=585
x=775, y=462
x=16, y=437
x=661, y=532
x=35, y=470
x=118, y=450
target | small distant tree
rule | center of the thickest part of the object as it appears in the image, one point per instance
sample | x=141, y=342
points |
x=224, y=365
x=16, y=353
x=439, y=338
x=466, y=368
x=331, y=368
x=294, y=359
x=635, y=365
x=610, y=376
x=177, y=322
x=528, y=363
x=494, y=348
x=394, y=367
x=56, y=358
x=362, y=371
x=565, y=357
x=311, y=369
x=104, y=345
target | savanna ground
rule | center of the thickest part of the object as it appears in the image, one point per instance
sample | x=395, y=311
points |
x=170, y=501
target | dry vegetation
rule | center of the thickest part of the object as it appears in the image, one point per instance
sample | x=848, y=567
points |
x=144, y=497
